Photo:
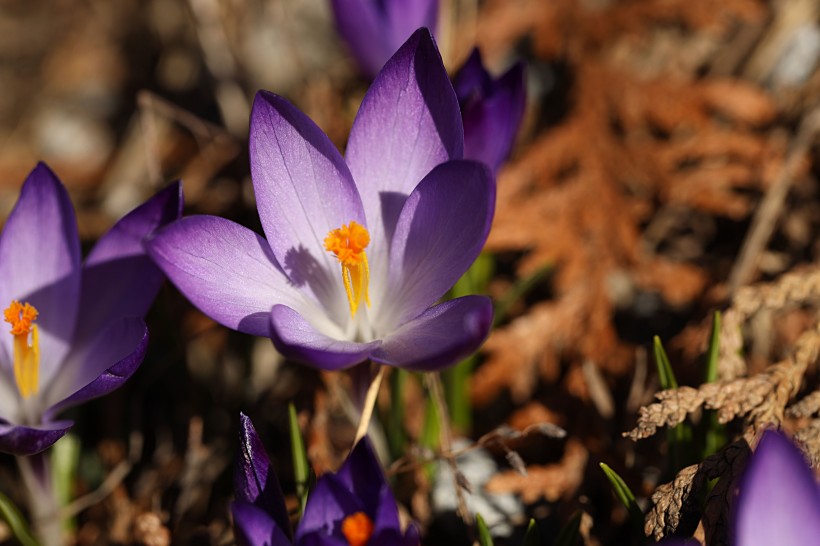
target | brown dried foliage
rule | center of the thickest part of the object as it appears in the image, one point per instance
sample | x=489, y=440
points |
x=760, y=399
x=629, y=145
x=672, y=501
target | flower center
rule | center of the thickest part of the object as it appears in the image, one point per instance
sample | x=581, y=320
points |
x=357, y=529
x=26, y=354
x=347, y=243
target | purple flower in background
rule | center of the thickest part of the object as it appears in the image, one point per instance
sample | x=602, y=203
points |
x=75, y=330
x=375, y=29
x=778, y=500
x=353, y=507
x=351, y=271
x=492, y=109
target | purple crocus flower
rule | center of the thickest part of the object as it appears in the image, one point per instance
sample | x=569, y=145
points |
x=351, y=271
x=492, y=109
x=353, y=507
x=75, y=330
x=375, y=29
x=778, y=500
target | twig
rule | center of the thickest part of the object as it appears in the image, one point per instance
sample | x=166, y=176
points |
x=433, y=381
x=770, y=208
x=369, y=404
x=114, y=478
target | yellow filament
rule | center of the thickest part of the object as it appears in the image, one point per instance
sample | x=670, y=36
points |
x=26, y=355
x=347, y=243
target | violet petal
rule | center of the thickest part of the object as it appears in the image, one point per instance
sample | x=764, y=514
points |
x=119, y=279
x=779, y=499
x=225, y=269
x=361, y=24
x=298, y=339
x=303, y=191
x=328, y=504
x=28, y=440
x=40, y=264
x=255, y=527
x=408, y=123
x=492, y=120
x=362, y=474
x=254, y=479
x=472, y=78
x=440, y=232
x=100, y=366
x=440, y=336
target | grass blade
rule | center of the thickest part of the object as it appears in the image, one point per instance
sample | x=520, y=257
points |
x=665, y=372
x=484, y=538
x=532, y=537
x=571, y=532
x=17, y=523
x=624, y=494
x=301, y=468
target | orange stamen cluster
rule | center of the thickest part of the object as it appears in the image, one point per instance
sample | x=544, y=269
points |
x=347, y=243
x=21, y=316
x=357, y=529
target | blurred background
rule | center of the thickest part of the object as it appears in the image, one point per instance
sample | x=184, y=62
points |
x=667, y=157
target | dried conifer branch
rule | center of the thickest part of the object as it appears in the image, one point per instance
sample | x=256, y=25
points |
x=673, y=501
x=809, y=438
x=806, y=407
x=795, y=288
x=761, y=398
x=716, y=516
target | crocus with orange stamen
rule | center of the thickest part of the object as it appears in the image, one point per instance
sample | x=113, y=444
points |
x=352, y=507
x=357, y=250
x=73, y=330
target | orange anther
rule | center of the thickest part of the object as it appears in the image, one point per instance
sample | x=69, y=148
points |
x=357, y=529
x=348, y=242
x=20, y=316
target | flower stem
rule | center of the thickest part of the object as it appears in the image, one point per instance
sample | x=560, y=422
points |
x=46, y=521
x=369, y=404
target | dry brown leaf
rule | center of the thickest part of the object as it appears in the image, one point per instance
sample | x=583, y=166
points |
x=550, y=482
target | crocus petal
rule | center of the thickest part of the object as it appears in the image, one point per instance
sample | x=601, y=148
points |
x=254, y=479
x=28, y=440
x=779, y=499
x=404, y=18
x=361, y=25
x=100, y=366
x=362, y=474
x=491, y=121
x=298, y=339
x=471, y=78
x=375, y=29
x=255, y=527
x=40, y=264
x=119, y=279
x=225, y=269
x=441, y=231
x=303, y=191
x=328, y=505
x=440, y=336
x=408, y=123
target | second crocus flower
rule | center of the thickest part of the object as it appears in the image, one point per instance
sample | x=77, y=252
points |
x=73, y=330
